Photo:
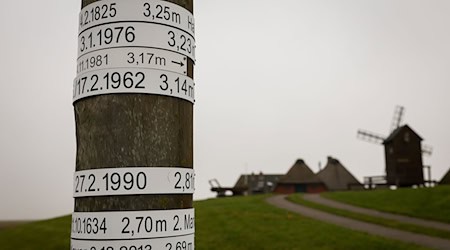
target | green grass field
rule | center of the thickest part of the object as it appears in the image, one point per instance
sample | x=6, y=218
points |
x=427, y=203
x=229, y=223
x=49, y=235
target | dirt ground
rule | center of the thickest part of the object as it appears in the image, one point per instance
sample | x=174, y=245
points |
x=9, y=224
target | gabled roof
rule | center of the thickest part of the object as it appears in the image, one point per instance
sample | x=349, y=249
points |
x=446, y=178
x=398, y=131
x=336, y=176
x=245, y=179
x=300, y=173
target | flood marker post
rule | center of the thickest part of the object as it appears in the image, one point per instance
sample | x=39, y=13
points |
x=133, y=99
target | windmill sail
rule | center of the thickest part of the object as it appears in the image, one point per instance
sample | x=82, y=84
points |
x=397, y=119
x=370, y=136
x=427, y=150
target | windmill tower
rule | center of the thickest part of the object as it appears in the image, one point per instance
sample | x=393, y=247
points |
x=403, y=152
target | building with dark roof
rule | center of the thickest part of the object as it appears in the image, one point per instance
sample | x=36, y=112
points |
x=247, y=184
x=258, y=183
x=445, y=179
x=300, y=178
x=336, y=177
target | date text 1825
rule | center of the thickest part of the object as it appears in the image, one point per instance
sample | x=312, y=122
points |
x=95, y=13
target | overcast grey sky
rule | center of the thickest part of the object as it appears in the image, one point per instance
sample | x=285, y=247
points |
x=275, y=81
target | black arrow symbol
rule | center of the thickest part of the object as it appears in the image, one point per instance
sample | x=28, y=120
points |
x=179, y=63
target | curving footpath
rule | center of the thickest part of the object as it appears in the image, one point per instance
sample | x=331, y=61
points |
x=419, y=239
x=316, y=198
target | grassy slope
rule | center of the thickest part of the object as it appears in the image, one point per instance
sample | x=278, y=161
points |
x=428, y=203
x=297, y=198
x=231, y=223
x=51, y=234
x=250, y=223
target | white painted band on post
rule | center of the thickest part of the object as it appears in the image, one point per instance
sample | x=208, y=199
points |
x=133, y=181
x=185, y=242
x=132, y=80
x=133, y=224
x=155, y=11
x=148, y=58
x=135, y=34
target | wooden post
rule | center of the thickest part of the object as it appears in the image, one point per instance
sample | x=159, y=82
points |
x=134, y=130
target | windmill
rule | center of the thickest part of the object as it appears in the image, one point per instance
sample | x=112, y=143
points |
x=403, y=151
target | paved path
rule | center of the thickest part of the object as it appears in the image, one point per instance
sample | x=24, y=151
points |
x=419, y=239
x=410, y=220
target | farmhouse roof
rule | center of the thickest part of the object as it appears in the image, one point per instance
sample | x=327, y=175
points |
x=245, y=179
x=336, y=176
x=398, y=131
x=300, y=173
